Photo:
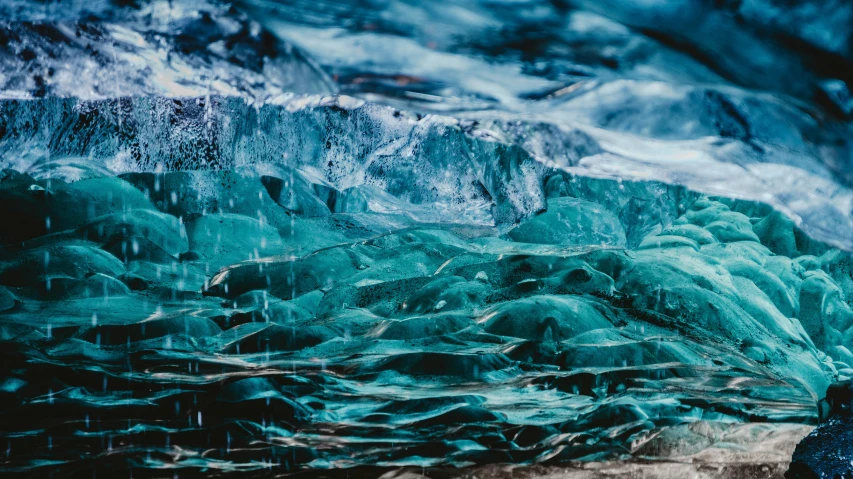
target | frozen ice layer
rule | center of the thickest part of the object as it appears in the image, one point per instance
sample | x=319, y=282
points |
x=428, y=168
x=233, y=323
x=448, y=239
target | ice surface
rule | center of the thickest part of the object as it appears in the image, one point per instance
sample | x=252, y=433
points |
x=331, y=326
x=423, y=236
x=94, y=50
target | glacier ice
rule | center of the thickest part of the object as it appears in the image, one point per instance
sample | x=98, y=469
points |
x=425, y=236
x=625, y=316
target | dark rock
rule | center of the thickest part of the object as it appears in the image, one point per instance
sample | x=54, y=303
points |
x=828, y=451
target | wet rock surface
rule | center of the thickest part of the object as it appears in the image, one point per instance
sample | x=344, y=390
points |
x=828, y=450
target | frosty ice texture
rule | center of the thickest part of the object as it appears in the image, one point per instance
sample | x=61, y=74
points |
x=525, y=233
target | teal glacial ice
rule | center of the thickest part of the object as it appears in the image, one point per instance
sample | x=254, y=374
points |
x=427, y=238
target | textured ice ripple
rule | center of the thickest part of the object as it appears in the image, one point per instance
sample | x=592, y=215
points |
x=126, y=345
x=527, y=233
